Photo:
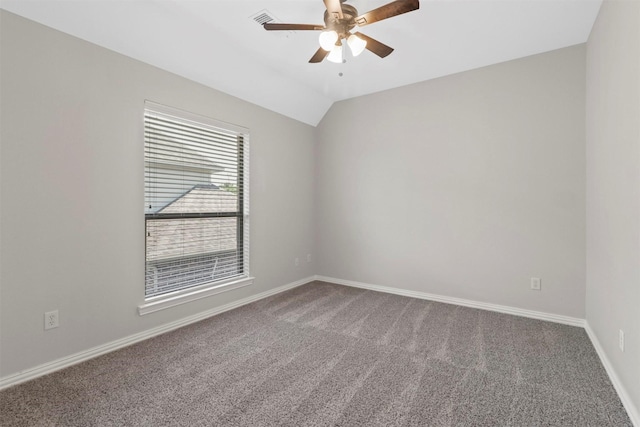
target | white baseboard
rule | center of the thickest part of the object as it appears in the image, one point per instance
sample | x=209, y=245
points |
x=632, y=411
x=82, y=356
x=573, y=321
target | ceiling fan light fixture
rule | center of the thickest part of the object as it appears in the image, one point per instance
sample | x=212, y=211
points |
x=340, y=19
x=328, y=40
x=356, y=44
x=336, y=54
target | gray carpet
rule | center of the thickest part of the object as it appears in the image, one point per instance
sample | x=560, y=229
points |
x=329, y=355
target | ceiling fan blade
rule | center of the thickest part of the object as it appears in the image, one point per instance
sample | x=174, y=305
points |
x=375, y=46
x=294, y=27
x=334, y=8
x=389, y=10
x=318, y=56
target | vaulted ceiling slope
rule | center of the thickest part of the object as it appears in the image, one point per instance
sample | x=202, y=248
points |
x=219, y=44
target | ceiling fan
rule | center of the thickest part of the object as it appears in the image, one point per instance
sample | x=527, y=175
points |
x=339, y=20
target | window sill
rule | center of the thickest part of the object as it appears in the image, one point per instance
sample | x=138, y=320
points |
x=167, y=301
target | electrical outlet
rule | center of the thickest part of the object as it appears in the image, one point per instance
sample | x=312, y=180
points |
x=308, y=257
x=535, y=283
x=51, y=319
x=621, y=339
x=297, y=262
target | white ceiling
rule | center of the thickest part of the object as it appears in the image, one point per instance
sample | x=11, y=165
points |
x=217, y=43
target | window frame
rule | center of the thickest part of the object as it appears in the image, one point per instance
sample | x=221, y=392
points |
x=180, y=296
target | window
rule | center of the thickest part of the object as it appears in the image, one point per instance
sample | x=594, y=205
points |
x=196, y=204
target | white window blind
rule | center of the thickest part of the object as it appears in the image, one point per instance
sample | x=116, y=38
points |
x=196, y=201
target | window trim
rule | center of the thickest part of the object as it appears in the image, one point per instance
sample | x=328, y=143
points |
x=181, y=296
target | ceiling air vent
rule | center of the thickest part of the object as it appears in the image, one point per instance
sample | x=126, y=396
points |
x=263, y=17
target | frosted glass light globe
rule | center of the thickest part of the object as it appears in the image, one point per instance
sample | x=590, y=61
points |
x=328, y=39
x=356, y=44
x=335, y=55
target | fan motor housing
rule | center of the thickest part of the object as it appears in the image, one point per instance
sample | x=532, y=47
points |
x=342, y=26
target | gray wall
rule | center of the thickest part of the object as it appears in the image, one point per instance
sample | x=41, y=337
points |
x=613, y=187
x=72, y=189
x=465, y=186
